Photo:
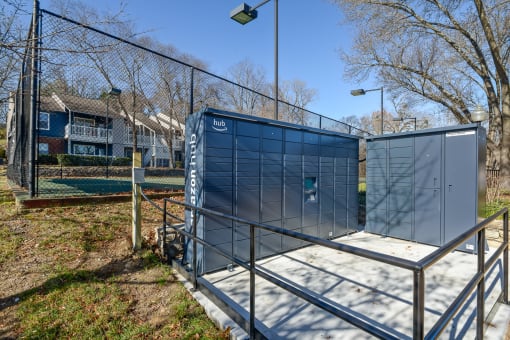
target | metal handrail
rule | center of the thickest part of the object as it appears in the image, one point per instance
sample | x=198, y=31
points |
x=478, y=280
x=417, y=267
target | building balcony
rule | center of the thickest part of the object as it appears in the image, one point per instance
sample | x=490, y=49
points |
x=87, y=133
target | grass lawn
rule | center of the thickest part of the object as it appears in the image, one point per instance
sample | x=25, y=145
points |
x=70, y=273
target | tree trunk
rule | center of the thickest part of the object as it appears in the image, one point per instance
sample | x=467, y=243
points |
x=505, y=139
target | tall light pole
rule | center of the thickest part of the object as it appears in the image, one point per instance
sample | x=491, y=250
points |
x=362, y=92
x=243, y=14
x=113, y=92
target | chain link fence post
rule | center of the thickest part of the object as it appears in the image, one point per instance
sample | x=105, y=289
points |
x=137, y=204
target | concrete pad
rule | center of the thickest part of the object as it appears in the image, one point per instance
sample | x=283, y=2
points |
x=379, y=293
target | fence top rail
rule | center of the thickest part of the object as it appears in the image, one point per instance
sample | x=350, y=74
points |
x=380, y=257
x=442, y=251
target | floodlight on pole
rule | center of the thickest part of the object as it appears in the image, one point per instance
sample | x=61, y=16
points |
x=115, y=93
x=362, y=92
x=243, y=14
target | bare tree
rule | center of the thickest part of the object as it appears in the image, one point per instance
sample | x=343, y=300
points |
x=407, y=116
x=246, y=74
x=451, y=53
x=299, y=96
x=171, y=83
x=12, y=42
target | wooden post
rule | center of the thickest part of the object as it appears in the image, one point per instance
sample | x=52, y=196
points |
x=137, y=206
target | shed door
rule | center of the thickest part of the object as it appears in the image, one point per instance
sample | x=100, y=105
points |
x=460, y=184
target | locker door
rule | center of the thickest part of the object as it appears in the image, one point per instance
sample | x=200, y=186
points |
x=427, y=191
x=460, y=185
x=427, y=216
x=427, y=161
x=377, y=187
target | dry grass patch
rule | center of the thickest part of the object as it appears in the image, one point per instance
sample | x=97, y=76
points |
x=70, y=273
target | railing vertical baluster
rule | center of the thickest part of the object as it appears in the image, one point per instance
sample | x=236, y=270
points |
x=505, y=257
x=418, y=304
x=252, y=281
x=195, y=283
x=480, y=290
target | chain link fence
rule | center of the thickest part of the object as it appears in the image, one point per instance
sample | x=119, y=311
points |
x=87, y=99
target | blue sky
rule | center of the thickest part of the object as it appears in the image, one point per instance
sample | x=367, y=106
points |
x=310, y=36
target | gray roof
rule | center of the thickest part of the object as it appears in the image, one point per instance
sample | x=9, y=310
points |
x=91, y=106
x=49, y=104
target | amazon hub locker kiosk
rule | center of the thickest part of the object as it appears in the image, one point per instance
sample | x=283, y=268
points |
x=285, y=175
x=427, y=186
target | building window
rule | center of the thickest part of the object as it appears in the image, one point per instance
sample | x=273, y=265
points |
x=43, y=148
x=84, y=122
x=44, y=121
x=310, y=189
x=82, y=149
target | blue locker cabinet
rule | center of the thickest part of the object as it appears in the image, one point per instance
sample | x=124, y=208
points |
x=285, y=175
x=427, y=186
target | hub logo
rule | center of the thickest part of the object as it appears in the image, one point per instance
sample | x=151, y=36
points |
x=219, y=125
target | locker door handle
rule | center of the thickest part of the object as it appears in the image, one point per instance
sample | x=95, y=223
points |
x=435, y=180
x=450, y=187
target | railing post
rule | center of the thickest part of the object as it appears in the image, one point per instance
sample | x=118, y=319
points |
x=505, y=257
x=195, y=283
x=252, y=281
x=480, y=290
x=418, y=304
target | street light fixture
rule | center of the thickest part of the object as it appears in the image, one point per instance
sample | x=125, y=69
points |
x=362, y=92
x=115, y=93
x=406, y=118
x=243, y=14
x=478, y=115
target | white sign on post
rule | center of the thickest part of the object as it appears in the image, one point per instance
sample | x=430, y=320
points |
x=138, y=175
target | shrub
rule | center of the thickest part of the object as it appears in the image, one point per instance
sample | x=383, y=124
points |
x=178, y=164
x=82, y=160
x=121, y=161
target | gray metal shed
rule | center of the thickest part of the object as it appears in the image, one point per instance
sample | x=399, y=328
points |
x=427, y=186
x=282, y=174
